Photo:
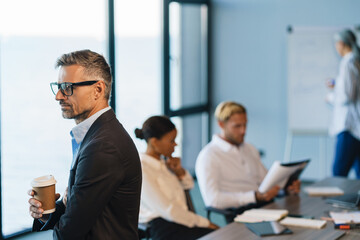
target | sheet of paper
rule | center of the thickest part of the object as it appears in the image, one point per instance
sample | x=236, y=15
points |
x=323, y=191
x=277, y=175
x=345, y=217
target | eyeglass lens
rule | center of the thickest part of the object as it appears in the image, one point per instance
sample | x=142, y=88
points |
x=65, y=88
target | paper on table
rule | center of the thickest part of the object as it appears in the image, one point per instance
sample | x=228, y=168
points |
x=260, y=215
x=277, y=175
x=323, y=191
x=345, y=217
x=303, y=222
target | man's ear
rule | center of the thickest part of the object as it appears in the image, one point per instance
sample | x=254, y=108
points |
x=221, y=124
x=99, y=89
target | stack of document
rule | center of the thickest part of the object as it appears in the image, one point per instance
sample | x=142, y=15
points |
x=323, y=191
x=345, y=217
x=303, y=222
x=260, y=215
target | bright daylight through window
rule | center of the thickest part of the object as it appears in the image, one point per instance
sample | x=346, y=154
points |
x=35, y=139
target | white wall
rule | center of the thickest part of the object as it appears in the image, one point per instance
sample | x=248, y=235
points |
x=249, y=65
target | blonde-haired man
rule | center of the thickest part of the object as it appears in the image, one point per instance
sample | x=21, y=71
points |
x=229, y=170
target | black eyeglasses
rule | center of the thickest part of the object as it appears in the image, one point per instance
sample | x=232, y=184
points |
x=66, y=88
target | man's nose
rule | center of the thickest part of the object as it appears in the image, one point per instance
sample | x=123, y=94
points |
x=243, y=130
x=59, y=95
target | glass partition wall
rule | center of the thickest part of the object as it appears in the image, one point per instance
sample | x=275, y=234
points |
x=35, y=139
x=138, y=63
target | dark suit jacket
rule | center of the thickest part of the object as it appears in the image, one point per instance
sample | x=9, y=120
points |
x=104, y=187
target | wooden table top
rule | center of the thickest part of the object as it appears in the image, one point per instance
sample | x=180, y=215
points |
x=301, y=204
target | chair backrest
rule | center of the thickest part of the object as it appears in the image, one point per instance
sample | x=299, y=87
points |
x=189, y=200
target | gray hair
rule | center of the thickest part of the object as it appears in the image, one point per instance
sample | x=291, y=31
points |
x=349, y=38
x=94, y=64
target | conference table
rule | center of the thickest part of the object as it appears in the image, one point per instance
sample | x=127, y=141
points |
x=298, y=204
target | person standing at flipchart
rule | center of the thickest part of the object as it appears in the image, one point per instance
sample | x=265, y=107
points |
x=345, y=98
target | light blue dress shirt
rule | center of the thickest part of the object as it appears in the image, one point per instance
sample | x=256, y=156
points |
x=79, y=131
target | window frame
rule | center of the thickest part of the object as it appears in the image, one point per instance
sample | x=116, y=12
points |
x=194, y=109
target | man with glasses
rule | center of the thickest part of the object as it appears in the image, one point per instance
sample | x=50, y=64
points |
x=103, y=195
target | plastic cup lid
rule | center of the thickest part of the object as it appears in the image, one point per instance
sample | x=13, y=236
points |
x=43, y=181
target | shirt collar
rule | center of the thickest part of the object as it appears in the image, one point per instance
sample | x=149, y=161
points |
x=348, y=55
x=221, y=143
x=153, y=162
x=79, y=131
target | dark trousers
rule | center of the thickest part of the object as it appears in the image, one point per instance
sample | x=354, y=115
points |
x=347, y=155
x=160, y=229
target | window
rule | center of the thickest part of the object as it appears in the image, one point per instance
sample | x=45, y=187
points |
x=138, y=63
x=186, y=74
x=192, y=136
x=35, y=139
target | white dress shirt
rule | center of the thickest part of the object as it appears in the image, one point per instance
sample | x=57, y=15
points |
x=228, y=175
x=162, y=195
x=346, y=98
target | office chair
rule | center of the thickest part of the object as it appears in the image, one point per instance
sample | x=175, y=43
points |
x=144, y=228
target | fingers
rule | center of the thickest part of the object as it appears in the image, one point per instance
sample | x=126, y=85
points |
x=35, y=209
x=36, y=212
x=173, y=163
x=294, y=188
x=268, y=197
x=31, y=192
x=35, y=203
x=57, y=196
x=271, y=193
x=213, y=226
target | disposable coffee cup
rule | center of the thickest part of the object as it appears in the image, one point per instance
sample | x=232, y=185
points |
x=44, y=188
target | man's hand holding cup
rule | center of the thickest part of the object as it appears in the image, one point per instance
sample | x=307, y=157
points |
x=43, y=197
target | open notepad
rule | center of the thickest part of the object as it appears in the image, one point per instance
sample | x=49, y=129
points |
x=260, y=215
x=282, y=174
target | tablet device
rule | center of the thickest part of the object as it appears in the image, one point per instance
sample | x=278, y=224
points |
x=268, y=228
x=350, y=200
x=296, y=174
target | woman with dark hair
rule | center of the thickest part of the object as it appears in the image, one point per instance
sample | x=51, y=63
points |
x=346, y=101
x=163, y=201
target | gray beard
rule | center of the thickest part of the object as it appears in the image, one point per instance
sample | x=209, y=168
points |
x=78, y=118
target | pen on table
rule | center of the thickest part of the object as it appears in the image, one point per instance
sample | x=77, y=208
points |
x=347, y=226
